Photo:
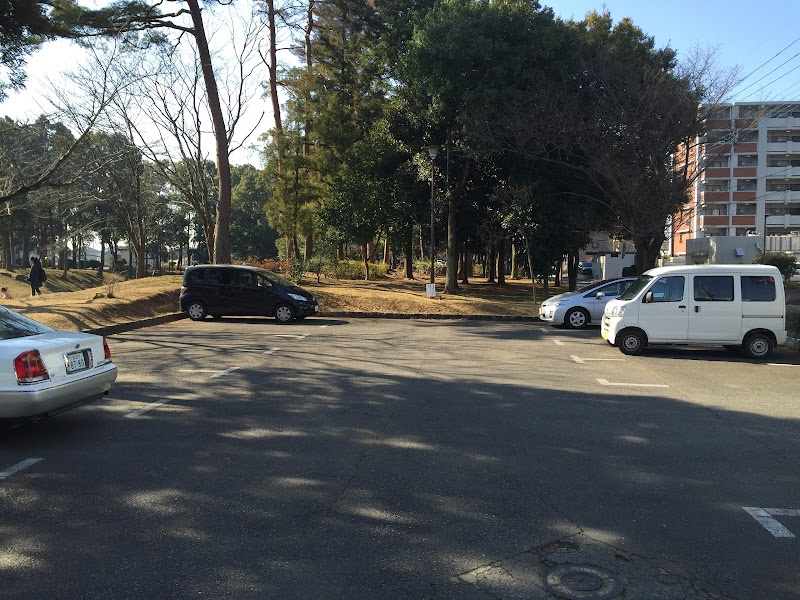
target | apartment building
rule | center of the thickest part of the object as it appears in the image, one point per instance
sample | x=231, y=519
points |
x=750, y=177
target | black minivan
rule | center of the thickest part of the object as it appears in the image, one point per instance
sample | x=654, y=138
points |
x=220, y=290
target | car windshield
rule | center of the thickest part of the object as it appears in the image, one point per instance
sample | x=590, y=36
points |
x=14, y=325
x=636, y=287
x=277, y=278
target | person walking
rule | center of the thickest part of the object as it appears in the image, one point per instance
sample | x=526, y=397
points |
x=37, y=276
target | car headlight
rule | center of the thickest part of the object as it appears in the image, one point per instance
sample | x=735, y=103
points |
x=298, y=297
x=617, y=311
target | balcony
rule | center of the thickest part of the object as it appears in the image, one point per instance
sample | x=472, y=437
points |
x=743, y=220
x=709, y=197
x=784, y=172
x=744, y=171
x=784, y=147
x=783, y=122
x=787, y=221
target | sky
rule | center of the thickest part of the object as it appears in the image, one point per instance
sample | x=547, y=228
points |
x=756, y=36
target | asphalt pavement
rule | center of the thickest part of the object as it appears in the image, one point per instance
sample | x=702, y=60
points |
x=358, y=458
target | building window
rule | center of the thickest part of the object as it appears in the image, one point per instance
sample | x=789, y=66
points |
x=715, y=210
x=746, y=208
x=748, y=112
x=746, y=137
x=719, y=162
x=748, y=160
x=716, y=185
x=746, y=185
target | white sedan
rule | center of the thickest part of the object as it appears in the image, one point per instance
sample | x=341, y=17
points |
x=44, y=371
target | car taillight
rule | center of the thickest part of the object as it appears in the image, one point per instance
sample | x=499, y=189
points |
x=30, y=368
x=106, y=350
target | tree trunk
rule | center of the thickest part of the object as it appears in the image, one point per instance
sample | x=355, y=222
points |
x=514, y=263
x=410, y=254
x=491, y=262
x=647, y=252
x=530, y=266
x=102, y=258
x=309, y=246
x=222, y=231
x=501, y=263
x=467, y=266
x=559, y=268
x=572, y=270
x=365, y=258
x=272, y=70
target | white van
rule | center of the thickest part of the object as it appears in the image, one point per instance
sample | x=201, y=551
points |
x=736, y=306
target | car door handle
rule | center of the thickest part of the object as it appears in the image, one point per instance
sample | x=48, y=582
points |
x=682, y=306
x=697, y=309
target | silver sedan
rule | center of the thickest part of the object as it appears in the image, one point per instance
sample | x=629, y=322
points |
x=578, y=309
x=45, y=371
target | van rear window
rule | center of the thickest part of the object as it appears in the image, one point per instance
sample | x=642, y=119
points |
x=758, y=288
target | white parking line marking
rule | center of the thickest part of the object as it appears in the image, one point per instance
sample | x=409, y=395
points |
x=270, y=351
x=227, y=371
x=147, y=408
x=781, y=365
x=558, y=342
x=580, y=360
x=658, y=385
x=24, y=464
x=323, y=326
x=290, y=335
x=766, y=516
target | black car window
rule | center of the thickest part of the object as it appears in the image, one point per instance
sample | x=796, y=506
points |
x=248, y=279
x=195, y=276
x=14, y=325
x=220, y=276
x=759, y=288
x=668, y=289
x=716, y=288
x=264, y=282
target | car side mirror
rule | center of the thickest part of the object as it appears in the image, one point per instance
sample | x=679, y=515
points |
x=600, y=295
x=648, y=297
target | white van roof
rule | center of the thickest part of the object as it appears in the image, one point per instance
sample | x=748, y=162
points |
x=753, y=269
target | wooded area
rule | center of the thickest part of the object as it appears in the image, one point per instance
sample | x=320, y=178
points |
x=546, y=131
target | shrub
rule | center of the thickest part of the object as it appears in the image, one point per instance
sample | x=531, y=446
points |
x=353, y=269
x=110, y=280
x=424, y=267
x=784, y=262
x=793, y=321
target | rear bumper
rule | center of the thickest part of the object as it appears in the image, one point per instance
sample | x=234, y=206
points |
x=50, y=398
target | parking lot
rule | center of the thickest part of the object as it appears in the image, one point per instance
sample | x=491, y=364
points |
x=368, y=458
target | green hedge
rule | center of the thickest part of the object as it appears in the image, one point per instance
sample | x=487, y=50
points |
x=793, y=321
x=353, y=269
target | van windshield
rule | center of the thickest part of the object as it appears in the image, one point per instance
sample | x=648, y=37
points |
x=636, y=287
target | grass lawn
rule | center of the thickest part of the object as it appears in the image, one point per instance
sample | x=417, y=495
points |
x=80, y=301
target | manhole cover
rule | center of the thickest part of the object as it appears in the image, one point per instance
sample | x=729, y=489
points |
x=582, y=582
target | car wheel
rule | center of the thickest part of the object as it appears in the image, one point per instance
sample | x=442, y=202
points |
x=758, y=345
x=284, y=313
x=631, y=342
x=196, y=311
x=577, y=318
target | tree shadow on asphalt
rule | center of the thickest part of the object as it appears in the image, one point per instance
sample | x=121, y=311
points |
x=362, y=477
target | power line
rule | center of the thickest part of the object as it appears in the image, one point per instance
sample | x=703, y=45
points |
x=770, y=73
x=775, y=80
x=768, y=61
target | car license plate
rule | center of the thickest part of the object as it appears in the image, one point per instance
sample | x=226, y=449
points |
x=78, y=361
